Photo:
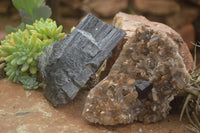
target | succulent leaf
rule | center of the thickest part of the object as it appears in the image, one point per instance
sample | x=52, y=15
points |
x=29, y=82
x=25, y=67
x=20, y=50
x=46, y=29
x=33, y=69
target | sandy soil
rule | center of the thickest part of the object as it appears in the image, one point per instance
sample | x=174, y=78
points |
x=23, y=111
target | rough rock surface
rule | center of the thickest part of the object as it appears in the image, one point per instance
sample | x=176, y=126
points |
x=148, y=56
x=129, y=23
x=67, y=65
x=157, y=7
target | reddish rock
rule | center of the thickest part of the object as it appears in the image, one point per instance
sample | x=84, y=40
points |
x=157, y=7
x=104, y=8
x=129, y=23
x=187, y=32
x=186, y=15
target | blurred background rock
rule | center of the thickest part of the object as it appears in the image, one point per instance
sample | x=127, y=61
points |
x=181, y=15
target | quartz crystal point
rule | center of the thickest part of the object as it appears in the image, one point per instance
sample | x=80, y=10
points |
x=148, y=63
x=67, y=65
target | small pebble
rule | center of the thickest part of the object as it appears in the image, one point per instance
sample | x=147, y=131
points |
x=140, y=130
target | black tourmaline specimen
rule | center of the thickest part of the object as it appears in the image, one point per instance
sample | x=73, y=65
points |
x=67, y=65
x=143, y=88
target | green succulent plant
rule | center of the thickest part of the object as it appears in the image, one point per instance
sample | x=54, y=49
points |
x=46, y=29
x=20, y=50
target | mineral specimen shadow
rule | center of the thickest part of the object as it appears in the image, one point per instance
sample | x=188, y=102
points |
x=67, y=65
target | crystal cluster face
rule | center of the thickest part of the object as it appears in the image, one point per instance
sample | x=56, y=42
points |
x=147, y=75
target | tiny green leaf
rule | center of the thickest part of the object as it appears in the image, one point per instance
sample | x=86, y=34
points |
x=25, y=67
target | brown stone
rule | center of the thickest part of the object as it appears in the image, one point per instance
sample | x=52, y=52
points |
x=104, y=8
x=146, y=76
x=187, y=32
x=157, y=7
x=186, y=15
x=129, y=23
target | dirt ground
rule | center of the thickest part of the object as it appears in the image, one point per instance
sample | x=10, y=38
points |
x=23, y=111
